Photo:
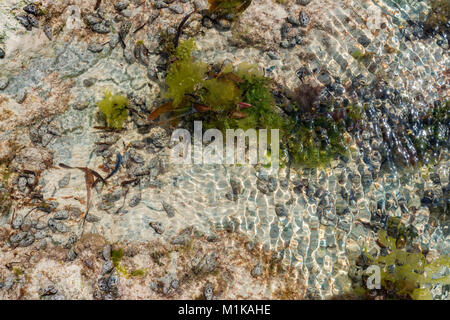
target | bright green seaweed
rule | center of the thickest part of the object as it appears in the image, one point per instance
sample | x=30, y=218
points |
x=114, y=109
x=407, y=275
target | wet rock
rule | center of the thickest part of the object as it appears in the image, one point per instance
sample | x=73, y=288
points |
x=157, y=226
x=272, y=184
x=325, y=78
x=303, y=19
x=2, y=54
x=262, y=186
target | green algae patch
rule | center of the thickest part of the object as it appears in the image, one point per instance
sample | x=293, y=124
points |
x=18, y=272
x=232, y=98
x=114, y=109
x=184, y=75
x=405, y=274
x=316, y=143
x=116, y=258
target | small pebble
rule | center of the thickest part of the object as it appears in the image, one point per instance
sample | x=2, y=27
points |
x=92, y=218
x=107, y=267
x=257, y=270
x=91, y=20
x=304, y=19
x=303, y=2
x=89, y=82
x=48, y=31
x=107, y=252
x=95, y=47
x=207, y=22
x=61, y=215
x=71, y=254
x=21, y=96
x=121, y=5
x=126, y=13
x=101, y=28
x=17, y=222
x=223, y=24
x=9, y=282
x=273, y=55
x=32, y=9
x=3, y=83
x=209, y=291
x=114, y=41
x=23, y=19
x=129, y=57
x=34, y=22
x=2, y=53
x=160, y=5
x=364, y=40
x=157, y=226
x=176, y=8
